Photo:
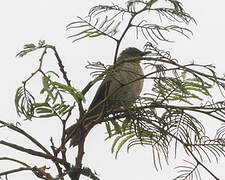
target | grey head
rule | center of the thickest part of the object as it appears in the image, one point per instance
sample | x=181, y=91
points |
x=132, y=52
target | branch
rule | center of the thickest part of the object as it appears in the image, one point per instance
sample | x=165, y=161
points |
x=200, y=109
x=59, y=169
x=184, y=145
x=92, y=30
x=32, y=139
x=34, y=153
x=81, y=109
x=61, y=66
x=39, y=172
x=198, y=162
x=16, y=170
x=14, y=160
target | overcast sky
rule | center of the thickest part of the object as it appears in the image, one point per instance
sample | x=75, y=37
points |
x=28, y=21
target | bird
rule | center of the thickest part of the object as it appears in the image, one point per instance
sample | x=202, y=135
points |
x=121, y=87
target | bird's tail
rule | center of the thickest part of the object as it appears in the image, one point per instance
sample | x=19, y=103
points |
x=78, y=131
x=70, y=134
x=76, y=134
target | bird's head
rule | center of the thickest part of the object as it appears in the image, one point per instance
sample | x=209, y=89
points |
x=131, y=52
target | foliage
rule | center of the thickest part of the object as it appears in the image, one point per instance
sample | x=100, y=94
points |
x=166, y=116
x=30, y=48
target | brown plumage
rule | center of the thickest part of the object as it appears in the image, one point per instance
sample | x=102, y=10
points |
x=120, y=88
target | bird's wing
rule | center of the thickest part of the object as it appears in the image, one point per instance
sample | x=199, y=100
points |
x=102, y=92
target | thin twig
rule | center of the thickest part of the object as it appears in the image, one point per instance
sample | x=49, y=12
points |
x=61, y=66
x=79, y=157
x=59, y=169
x=33, y=152
x=14, y=160
x=19, y=130
x=16, y=170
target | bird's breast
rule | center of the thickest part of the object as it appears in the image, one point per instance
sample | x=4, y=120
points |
x=126, y=84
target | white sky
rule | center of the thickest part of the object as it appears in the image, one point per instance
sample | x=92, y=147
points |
x=27, y=21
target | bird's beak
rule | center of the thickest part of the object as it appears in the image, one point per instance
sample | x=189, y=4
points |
x=147, y=52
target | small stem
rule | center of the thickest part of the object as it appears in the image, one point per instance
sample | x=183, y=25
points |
x=14, y=160
x=34, y=153
x=59, y=169
x=15, y=128
x=79, y=159
x=42, y=57
x=198, y=162
x=61, y=66
x=16, y=170
x=63, y=148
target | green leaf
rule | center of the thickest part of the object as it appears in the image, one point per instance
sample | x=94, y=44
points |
x=46, y=87
x=47, y=115
x=30, y=47
x=126, y=124
x=115, y=142
x=108, y=128
x=117, y=127
x=43, y=110
x=36, y=105
x=128, y=137
x=63, y=109
x=74, y=92
x=24, y=102
x=17, y=99
x=68, y=110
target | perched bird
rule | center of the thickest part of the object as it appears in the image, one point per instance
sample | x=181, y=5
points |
x=120, y=88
